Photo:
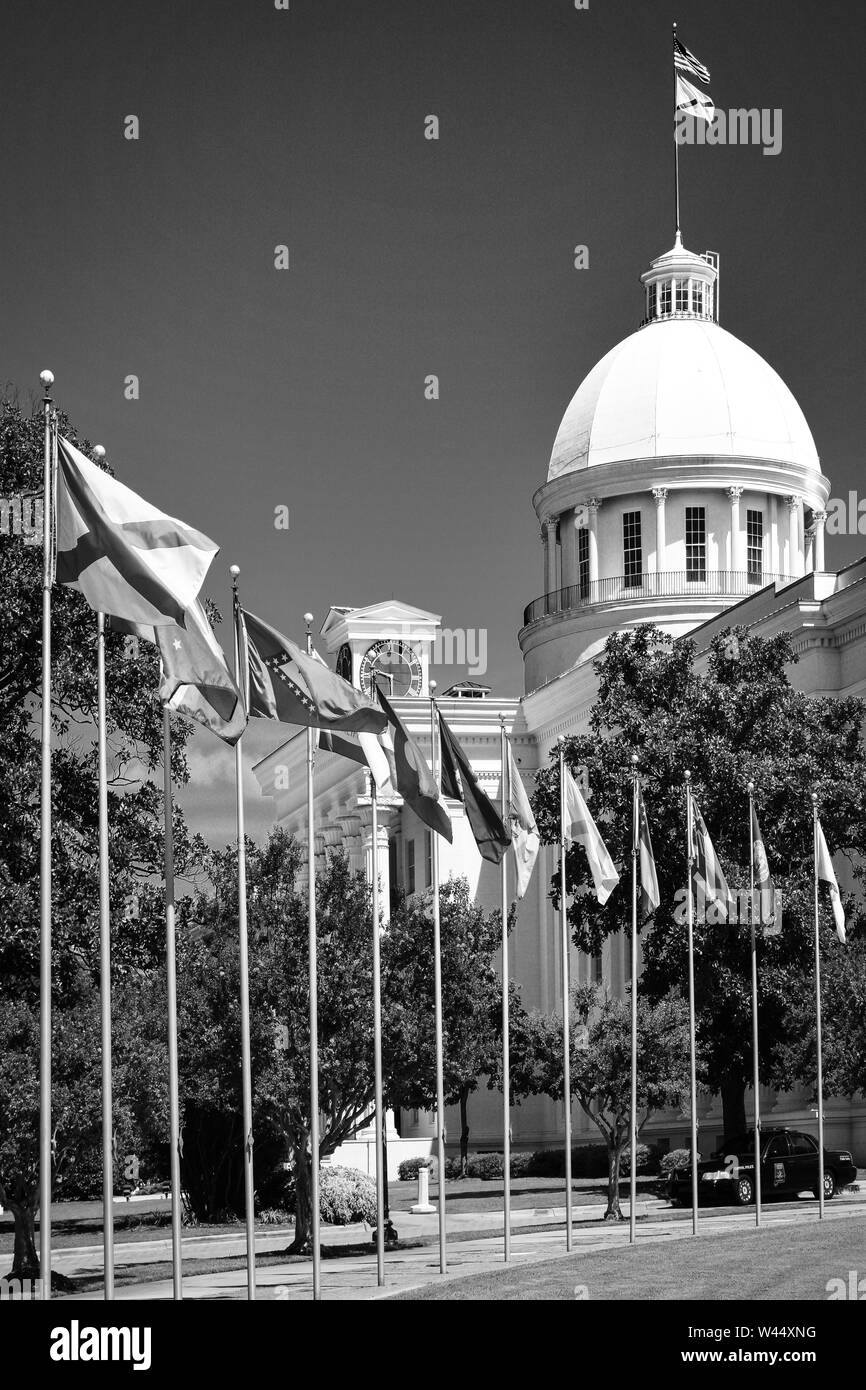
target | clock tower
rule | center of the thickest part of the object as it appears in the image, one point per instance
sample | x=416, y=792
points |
x=386, y=645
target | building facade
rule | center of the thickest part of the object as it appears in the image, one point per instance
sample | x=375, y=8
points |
x=684, y=488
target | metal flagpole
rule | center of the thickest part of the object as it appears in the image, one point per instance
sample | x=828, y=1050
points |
x=676, y=142
x=314, y=993
x=381, y=1178
x=690, y=857
x=633, y=1112
x=243, y=951
x=45, y=1143
x=755, y=1075
x=171, y=993
x=506, y=1060
x=105, y=968
x=818, y=1016
x=566, y=1000
x=104, y=955
x=437, y=988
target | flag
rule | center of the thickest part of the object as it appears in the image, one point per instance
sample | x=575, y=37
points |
x=411, y=774
x=708, y=870
x=195, y=679
x=765, y=893
x=686, y=61
x=362, y=748
x=126, y=557
x=286, y=684
x=693, y=102
x=524, y=832
x=826, y=872
x=580, y=828
x=459, y=781
x=649, y=884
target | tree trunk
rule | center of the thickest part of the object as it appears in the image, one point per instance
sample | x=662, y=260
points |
x=25, y=1260
x=733, y=1105
x=614, y=1154
x=464, y=1134
x=302, y=1243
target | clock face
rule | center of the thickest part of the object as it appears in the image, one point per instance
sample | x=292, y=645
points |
x=392, y=666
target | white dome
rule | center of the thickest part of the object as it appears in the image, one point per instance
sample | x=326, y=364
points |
x=681, y=387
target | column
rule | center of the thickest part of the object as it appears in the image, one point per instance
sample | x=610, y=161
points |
x=809, y=539
x=378, y=864
x=794, y=564
x=775, y=563
x=820, y=523
x=737, y=562
x=592, y=507
x=660, y=496
x=568, y=545
x=548, y=535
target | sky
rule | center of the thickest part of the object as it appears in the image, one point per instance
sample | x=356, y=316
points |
x=304, y=388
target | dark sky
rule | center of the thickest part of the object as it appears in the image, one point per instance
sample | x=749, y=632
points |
x=408, y=257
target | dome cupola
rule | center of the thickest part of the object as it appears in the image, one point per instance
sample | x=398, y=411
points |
x=680, y=285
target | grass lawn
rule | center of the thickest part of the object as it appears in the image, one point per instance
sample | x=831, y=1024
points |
x=791, y=1262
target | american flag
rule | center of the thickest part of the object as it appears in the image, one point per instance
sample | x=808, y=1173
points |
x=687, y=62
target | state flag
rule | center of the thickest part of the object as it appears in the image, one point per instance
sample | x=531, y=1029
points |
x=764, y=905
x=649, y=883
x=459, y=781
x=708, y=870
x=827, y=874
x=126, y=557
x=411, y=774
x=525, y=839
x=693, y=102
x=579, y=827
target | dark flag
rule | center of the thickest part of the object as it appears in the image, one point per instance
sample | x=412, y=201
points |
x=412, y=776
x=491, y=836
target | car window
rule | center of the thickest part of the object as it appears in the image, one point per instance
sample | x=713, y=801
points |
x=803, y=1144
x=778, y=1147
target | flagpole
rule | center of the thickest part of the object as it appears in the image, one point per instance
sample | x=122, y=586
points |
x=243, y=952
x=818, y=1015
x=437, y=988
x=676, y=142
x=690, y=834
x=566, y=1001
x=45, y=1142
x=632, y=1216
x=381, y=1178
x=171, y=994
x=314, y=993
x=506, y=1059
x=755, y=1070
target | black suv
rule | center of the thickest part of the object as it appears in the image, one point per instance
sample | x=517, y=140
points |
x=789, y=1164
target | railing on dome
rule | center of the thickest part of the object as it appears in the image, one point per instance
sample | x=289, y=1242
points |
x=673, y=584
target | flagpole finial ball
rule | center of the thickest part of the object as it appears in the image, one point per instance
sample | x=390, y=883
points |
x=814, y=798
x=98, y=452
x=47, y=379
x=308, y=617
x=688, y=775
x=634, y=759
x=750, y=788
x=234, y=571
x=432, y=687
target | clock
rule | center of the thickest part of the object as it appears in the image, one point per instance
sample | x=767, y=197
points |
x=393, y=666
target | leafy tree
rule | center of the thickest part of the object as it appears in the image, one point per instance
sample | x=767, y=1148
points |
x=471, y=1002
x=135, y=829
x=730, y=719
x=600, y=1055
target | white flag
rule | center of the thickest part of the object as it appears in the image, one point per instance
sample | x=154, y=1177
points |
x=524, y=832
x=693, y=102
x=827, y=873
x=580, y=827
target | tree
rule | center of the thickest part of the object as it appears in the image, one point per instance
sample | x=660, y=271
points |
x=600, y=1054
x=471, y=1002
x=734, y=719
x=135, y=828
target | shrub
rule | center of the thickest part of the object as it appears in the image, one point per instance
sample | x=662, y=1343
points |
x=521, y=1165
x=676, y=1158
x=408, y=1169
x=485, y=1166
x=346, y=1195
x=647, y=1160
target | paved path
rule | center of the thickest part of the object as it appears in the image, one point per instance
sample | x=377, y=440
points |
x=354, y=1277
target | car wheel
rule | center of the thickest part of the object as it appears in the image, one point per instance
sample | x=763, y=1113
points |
x=829, y=1185
x=744, y=1192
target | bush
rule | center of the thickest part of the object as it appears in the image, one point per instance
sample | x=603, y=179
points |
x=346, y=1195
x=647, y=1160
x=676, y=1158
x=521, y=1165
x=487, y=1167
x=408, y=1169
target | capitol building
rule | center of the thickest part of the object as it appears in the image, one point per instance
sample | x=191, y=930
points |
x=684, y=489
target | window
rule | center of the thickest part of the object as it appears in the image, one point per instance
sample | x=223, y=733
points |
x=697, y=296
x=682, y=296
x=754, y=545
x=696, y=544
x=596, y=969
x=803, y=1144
x=650, y=300
x=666, y=297
x=778, y=1147
x=410, y=866
x=631, y=550
x=583, y=561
